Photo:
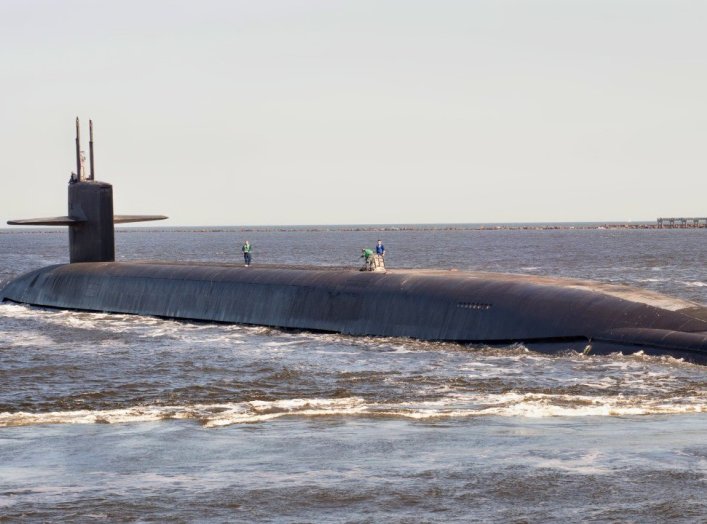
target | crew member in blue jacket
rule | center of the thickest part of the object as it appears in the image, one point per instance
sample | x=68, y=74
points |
x=380, y=248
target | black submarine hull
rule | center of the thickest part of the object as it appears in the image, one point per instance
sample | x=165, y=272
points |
x=541, y=312
x=544, y=313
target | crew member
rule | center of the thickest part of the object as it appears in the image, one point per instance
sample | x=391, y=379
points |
x=366, y=255
x=247, y=250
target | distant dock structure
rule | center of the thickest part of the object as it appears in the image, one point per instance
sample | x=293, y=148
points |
x=682, y=222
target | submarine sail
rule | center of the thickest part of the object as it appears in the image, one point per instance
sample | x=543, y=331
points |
x=90, y=218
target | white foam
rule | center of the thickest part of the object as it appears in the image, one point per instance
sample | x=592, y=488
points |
x=210, y=415
x=511, y=404
x=12, y=310
x=585, y=464
x=142, y=326
x=280, y=344
x=545, y=406
x=401, y=350
x=694, y=283
x=259, y=411
x=24, y=338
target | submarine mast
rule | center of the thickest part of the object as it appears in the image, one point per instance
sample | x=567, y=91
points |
x=90, y=148
x=79, y=171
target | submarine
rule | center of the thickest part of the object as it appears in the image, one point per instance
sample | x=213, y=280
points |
x=543, y=313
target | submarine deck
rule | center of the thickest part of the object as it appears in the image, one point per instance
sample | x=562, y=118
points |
x=621, y=291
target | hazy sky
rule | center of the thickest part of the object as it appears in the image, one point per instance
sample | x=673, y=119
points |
x=320, y=112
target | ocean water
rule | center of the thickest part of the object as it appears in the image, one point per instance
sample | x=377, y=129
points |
x=136, y=419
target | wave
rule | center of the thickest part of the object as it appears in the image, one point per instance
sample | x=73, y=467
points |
x=511, y=404
x=146, y=327
x=209, y=415
x=194, y=332
x=694, y=283
x=24, y=338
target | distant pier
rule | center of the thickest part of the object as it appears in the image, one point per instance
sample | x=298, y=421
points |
x=682, y=222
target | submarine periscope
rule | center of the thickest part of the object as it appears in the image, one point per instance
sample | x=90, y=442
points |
x=544, y=313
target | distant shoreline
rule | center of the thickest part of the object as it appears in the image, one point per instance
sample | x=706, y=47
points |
x=375, y=228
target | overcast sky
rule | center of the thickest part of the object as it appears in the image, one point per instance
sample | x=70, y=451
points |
x=359, y=112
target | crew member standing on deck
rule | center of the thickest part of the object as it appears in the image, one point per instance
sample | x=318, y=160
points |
x=380, y=248
x=247, y=250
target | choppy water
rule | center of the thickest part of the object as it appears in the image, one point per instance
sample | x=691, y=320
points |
x=123, y=418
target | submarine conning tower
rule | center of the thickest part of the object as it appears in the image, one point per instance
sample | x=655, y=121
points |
x=90, y=216
x=93, y=238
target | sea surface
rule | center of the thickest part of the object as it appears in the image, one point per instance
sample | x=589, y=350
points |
x=117, y=418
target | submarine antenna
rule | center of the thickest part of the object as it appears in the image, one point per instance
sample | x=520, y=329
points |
x=90, y=147
x=79, y=174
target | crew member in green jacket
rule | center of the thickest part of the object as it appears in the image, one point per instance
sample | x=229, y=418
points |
x=366, y=255
x=247, y=250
